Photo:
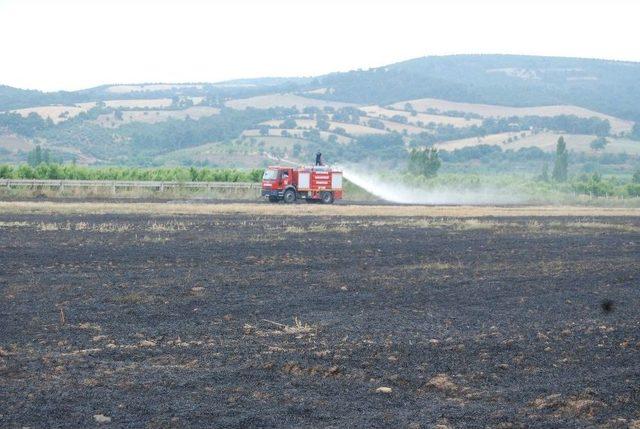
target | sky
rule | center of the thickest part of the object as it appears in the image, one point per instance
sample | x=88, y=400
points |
x=75, y=44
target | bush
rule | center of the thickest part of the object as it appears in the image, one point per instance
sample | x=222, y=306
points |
x=595, y=186
x=633, y=189
x=424, y=162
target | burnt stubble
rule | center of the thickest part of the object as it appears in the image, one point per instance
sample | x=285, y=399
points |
x=264, y=321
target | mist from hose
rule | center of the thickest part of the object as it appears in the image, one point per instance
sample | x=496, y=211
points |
x=441, y=194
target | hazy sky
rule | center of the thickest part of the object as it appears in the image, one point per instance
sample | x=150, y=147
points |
x=68, y=44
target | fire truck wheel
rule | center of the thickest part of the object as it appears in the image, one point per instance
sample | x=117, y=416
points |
x=273, y=199
x=289, y=196
x=327, y=198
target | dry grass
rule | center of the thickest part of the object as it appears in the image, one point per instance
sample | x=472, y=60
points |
x=170, y=226
x=136, y=103
x=297, y=329
x=104, y=227
x=546, y=141
x=342, y=228
x=395, y=126
x=155, y=116
x=105, y=192
x=463, y=223
x=297, y=136
x=429, y=266
x=134, y=298
x=583, y=407
x=353, y=129
x=56, y=113
x=395, y=211
x=474, y=224
x=150, y=239
x=598, y=226
x=52, y=226
x=282, y=100
x=13, y=224
x=125, y=89
x=443, y=383
x=488, y=110
x=425, y=118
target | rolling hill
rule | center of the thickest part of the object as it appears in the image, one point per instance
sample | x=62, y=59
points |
x=453, y=102
x=606, y=86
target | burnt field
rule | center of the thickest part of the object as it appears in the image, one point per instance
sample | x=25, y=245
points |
x=251, y=320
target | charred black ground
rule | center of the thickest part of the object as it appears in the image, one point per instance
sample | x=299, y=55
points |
x=246, y=320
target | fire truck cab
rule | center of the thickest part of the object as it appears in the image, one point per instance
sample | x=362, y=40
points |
x=312, y=184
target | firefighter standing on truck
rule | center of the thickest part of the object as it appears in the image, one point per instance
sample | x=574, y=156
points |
x=318, y=158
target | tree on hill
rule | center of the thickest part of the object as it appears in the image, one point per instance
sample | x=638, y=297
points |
x=425, y=162
x=311, y=110
x=311, y=134
x=264, y=130
x=399, y=118
x=544, y=176
x=322, y=125
x=289, y=123
x=376, y=123
x=599, y=143
x=635, y=132
x=562, y=161
x=38, y=156
x=409, y=108
x=178, y=102
x=296, y=150
x=27, y=126
x=636, y=177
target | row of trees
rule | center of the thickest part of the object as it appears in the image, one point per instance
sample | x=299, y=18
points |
x=180, y=174
x=39, y=156
x=596, y=185
x=563, y=123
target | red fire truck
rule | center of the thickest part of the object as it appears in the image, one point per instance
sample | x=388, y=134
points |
x=288, y=184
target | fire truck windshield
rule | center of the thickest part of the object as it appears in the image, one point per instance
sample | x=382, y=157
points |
x=270, y=174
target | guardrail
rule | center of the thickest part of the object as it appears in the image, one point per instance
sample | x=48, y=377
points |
x=114, y=184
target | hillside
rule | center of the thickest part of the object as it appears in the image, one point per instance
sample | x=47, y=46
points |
x=512, y=104
x=607, y=86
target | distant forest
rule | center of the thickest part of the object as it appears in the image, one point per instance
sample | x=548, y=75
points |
x=606, y=86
